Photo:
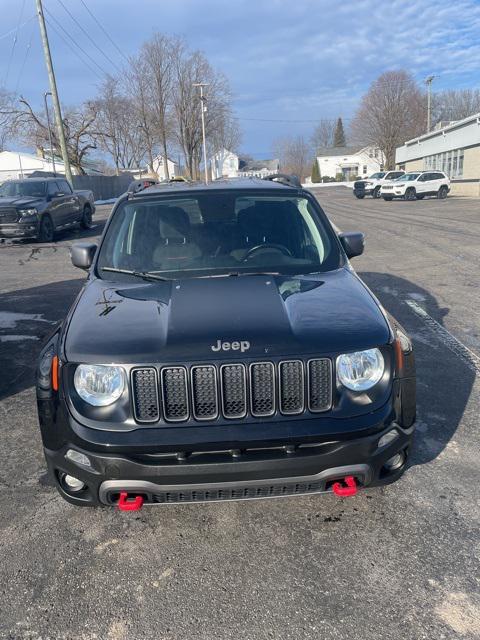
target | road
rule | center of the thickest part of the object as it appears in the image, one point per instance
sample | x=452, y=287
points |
x=399, y=562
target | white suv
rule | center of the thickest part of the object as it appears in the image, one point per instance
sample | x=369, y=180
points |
x=371, y=185
x=415, y=185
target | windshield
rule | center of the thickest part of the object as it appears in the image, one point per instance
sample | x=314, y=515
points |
x=23, y=188
x=213, y=234
x=377, y=176
x=408, y=177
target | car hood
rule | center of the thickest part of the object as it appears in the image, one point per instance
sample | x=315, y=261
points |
x=19, y=202
x=182, y=320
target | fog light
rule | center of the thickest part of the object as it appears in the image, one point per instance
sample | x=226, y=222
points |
x=387, y=438
x=78, y=458
x=395, y=462
x=72, y=483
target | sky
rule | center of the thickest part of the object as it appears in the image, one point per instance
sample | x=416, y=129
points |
x=289, y=64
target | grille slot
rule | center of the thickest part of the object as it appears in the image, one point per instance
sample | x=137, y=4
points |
x=292, y=392
x=204, y=392
x=319, y=385
x=262, y=389
x=8, y=215
x=145, y=395
x=234, y=390
x=175, y=393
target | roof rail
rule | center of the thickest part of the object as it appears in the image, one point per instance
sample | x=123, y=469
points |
x=283, y=178
x=139, y=185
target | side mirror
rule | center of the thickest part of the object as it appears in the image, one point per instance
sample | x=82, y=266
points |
x=82, y=254
x=59, y=194
x=353, y=243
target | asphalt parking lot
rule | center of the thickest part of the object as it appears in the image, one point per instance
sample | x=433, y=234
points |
x=398, y=562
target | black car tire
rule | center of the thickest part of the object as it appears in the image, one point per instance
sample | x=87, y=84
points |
x=376, y=192
x=410, y=194
x=421, y=197
x=359, y=196
x=442, y=192
x=46, y=232
x=387, y=198
x=86, y=221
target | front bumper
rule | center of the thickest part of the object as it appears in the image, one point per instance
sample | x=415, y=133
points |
x=220, y=475
x=19, y=230
x=363, y=192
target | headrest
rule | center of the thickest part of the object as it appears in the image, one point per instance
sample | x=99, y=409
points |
x=173, y=223
x=264, y=215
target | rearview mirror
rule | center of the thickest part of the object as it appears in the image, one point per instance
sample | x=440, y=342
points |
x=82, y=254
x=353, y=243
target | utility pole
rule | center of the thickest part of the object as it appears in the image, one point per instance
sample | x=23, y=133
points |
x=54, y=92
x=52, y=151
x=428, y=82
x=203, y=110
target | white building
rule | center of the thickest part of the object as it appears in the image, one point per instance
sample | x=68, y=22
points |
x=454, y=149
x=258, y=168
x=224, y=164
x=349, y=162
x=159, y=168
x=15, y=165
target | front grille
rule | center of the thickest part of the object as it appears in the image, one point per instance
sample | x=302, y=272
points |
x=145, y=395
x=234, y=391
x=359, y=185
x=175, y=393
x=8, y=215
x=239, y=493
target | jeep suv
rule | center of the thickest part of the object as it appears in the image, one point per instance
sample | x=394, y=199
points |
x=223, y=348
x=371, y=186
x=415, y=185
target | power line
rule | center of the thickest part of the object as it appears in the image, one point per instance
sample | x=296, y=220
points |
x=315, y=120
x=14, y=43
x=29, y=46
x=69, y=44
x=104, y=31
x=52, y=17
x=90, y=37
x=5, y=35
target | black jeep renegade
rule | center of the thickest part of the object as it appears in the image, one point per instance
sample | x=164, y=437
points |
x=223, y=348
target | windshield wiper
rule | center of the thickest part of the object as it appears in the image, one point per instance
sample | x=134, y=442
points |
x=145, y=275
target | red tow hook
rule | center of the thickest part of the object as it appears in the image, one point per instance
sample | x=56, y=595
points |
x=349, y=490
x=126, y=504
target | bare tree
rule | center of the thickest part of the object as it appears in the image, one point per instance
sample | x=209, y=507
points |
x=6, y=120
x=391, y=112
x=455, y=104
x=78, y=123
x=295, y=156
x=117, y=133
x=323, y=134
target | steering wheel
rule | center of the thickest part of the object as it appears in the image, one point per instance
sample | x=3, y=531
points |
x=259, y=247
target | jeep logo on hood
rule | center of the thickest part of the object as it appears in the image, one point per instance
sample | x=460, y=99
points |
x=236, y=345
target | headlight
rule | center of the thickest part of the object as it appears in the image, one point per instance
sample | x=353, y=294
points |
x=27, y=213
x=400, y=185
x=361, y=370
x=368, y=184
x=99, y=385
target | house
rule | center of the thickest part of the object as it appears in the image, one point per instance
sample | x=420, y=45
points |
x=16, y=164
x=249, y=168
x=159, y=168
x=349, y=162
x=224, y=164
x=454, y=149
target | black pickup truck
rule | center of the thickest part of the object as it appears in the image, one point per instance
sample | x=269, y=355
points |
x=38, y=207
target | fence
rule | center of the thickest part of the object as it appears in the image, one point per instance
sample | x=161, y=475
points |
x=103, y=187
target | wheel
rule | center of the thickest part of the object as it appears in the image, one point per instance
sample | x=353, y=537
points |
x=86, y=221
x=376, y=192
x=387, y=198
x=47, y=230
x=410, y=194
x=359, y=196
x=442, y=192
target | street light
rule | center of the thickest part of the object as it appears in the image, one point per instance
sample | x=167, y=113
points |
x=428, y=82
x=52, y=151
x=203, y=110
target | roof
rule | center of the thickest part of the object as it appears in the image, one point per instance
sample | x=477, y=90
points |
x=232, y=184
x=339, y=151
x=37, y=179
x=474, y=118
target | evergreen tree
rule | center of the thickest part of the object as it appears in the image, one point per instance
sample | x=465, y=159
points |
x=339, y=137
x=315, y=172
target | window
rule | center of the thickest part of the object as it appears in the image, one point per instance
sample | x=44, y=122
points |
x=451, y=162
x=217, y=234
x=63, y=186
x=28, y=188
x=52, y=188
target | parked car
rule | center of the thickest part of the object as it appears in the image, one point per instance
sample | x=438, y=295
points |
x=38, y=207
x=415, y=185
x=371, y=186
x=223, y=348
